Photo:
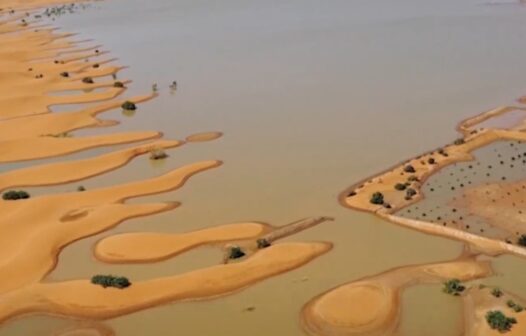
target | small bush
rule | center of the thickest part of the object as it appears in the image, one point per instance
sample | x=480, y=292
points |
x=400, y=186
x=118, y=84
x=510, y=303
x=410, y=192
x=236, y=252
x=81, y=188
x=262, y=243
x=87, y=80
x=351, y=194
x=431, y=161
x=13, y=195
x=409, y=169
x=459, y=141
x=498, y=321
x=496, y=292
x=377, y=198
x=128, y=105
x=64, y=74
x=453, y=287
x=158, y=154
x=522, y=240
x=412, y=178
x=518, y=308
x=110, y=281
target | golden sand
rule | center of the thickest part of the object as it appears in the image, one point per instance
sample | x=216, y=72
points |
x=40, y=68
x=149, y=246
x=371, y=306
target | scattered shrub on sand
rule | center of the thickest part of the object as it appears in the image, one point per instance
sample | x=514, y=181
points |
x=400, y=186
x=459, y=141
x=262, y=243
x=64, y=74
x=96, y=65
x=81, y=188
x=409, y=169
x=377, y=198
x=351, y=194
x=410, y=192
x=522, y=240
x=431, y=161
x=118, y=84
x=13, y=195
x=510, y=303
x=87, y=80
x=412, y=178
x=453, y=287
x=158, y=154
x=128, y=105
x=498, y=321
x=110, y=281
x=236, y=252
x=518, y=308
x=496, y=292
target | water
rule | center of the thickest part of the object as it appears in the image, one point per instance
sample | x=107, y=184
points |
x=312, y=96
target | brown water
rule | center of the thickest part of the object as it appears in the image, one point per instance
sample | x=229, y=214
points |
x=312, y=96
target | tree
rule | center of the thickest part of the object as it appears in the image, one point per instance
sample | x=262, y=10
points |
x=400, y=186
x=498, y=321
x=110, y=281
x=377, y=198
x=522, y=240
x=236, y=252
x=453, y=287
x=128, y=105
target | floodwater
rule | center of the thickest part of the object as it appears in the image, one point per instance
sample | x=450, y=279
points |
x=312, y=96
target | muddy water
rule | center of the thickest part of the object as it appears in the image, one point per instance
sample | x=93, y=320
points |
x=312, y=96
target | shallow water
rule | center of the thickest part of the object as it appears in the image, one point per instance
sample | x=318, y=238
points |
x=312, y=96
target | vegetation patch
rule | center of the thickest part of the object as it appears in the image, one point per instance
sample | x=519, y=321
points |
x=128, y=105
x=236, y=252
x=496, y=292
x=87, y=80
x=110, y=281
x=522, y=240
x=498, y=321
x=400, y=186
x=13, y=195
x=453, y=287
x=263, y=243
x=377, y=198
x=158, y=154
x=118, y=84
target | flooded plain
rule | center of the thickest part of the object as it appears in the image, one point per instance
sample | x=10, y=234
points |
x=311, y=97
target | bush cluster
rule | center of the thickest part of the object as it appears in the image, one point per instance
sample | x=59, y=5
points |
x=110, y=281
x=377, y=198
x=13, y=195
x=453, y=287
x=128, y=105
x=498, y=321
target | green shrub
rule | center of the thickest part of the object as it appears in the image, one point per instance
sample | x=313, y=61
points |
x=400, y=186
x=13, y=195
x=522, y=240
x=262, y=243
x=81, y=188
x=128, y=105
x=410, y=192
x=118, y=84
x=158, y=154
x=412, y=178
x=459, y=141
x=87, y=80
x=377, y=198
x=453, y=287
x=518, y=308
x=510, y=303
x=498, y=321
x=409, y=169
x=110, y=281
x=64, y=74
x=496, y=292
x=236, y=252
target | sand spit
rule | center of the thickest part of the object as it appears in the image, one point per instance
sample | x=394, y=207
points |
x=149, y=246
x=40, y=68
x=202, y=137
x=84, y=300
x=478, y=301
x=371, y=306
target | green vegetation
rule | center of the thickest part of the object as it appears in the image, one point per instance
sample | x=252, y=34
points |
x=409, y=193
x=431, y=161
x=110, y=281
x=87, y=80
x=496, y=292
x=453, y=287
x=64, y=74
x=13, y=195
x=400, y=186
x=128, y=105
x=118, y=84
x=522, y=240
x=236, y=252
x=412, y=178
x=377, y=198
x=262, y=243
x=81, y=188
x=498, y=321
x=409, y=169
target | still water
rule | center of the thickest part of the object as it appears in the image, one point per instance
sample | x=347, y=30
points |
x=312, y=96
